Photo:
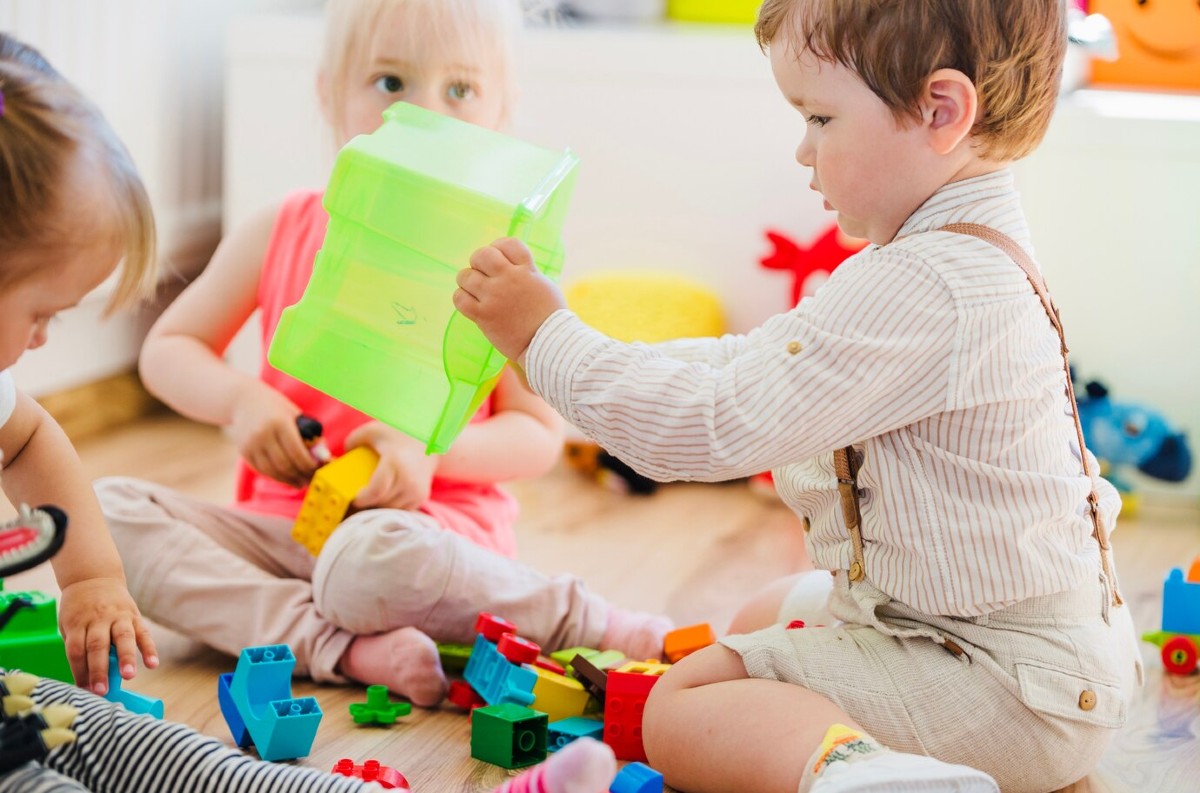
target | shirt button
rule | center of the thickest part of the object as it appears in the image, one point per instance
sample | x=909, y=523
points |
x=856, y=571
x=794, y=347
x=1087, y=700
x=807, y=526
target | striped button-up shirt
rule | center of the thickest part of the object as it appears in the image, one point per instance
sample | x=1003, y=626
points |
x=931, y=355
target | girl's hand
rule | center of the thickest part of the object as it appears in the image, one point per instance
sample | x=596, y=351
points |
x=404, y=476
x=97, y=613
x=264, y=430
x=506, y=296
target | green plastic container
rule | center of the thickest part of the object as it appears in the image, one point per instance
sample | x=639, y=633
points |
x=740, y=12
x=408, y=205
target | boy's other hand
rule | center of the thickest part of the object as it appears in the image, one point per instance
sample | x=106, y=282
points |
x=264, y=430
x=95, y=614
x=404, y=477
x=506, y=296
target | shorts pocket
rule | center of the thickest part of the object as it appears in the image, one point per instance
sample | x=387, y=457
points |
x=1054, y=692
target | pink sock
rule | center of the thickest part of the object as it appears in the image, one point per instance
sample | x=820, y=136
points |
x=637, y=634
x=582, y=766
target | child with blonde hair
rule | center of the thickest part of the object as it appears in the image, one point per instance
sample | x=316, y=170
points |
x=431, y=543
x=917, y=415
x=71, y=209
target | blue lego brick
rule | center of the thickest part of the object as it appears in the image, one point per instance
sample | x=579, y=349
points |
x=131, y=701
x=237, y=727
x=280, y=726
x=1181, y=604
x=497, y=679
x=562, y=732
x=637, y=778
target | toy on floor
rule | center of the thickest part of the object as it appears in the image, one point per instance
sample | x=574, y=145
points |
x=29, y=637
x=130, y=700
x=28, y=734
x=256, y=701
x=371, y=771
x=377, y=709
x=408, y=204
x=588, y=458
x=1129, y=434
x=1179, y=638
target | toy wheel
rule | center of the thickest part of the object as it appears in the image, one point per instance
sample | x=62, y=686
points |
x=1179, y=655
x=518, y=650
x=493, y=627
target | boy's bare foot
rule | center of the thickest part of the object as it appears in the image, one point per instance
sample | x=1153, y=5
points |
x=405, y=660
x=637, y=634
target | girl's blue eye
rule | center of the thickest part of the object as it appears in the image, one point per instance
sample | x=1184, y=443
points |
x=390, y=84
x=460, y=92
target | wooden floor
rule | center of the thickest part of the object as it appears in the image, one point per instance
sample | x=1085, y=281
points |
x=692, y=551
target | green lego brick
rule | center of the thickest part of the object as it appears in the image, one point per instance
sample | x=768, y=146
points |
x=454, y=657
x=31, y=641
x=508, y=735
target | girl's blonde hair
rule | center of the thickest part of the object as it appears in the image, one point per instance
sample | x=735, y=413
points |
x=44, y=122
x=486, y=27
x=1012, y=50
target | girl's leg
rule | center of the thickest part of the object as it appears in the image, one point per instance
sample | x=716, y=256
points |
x=228, y=578
x=709, y=728
x=383, y=569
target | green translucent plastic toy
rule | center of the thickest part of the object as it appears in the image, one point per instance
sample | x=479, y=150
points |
x=408, y=205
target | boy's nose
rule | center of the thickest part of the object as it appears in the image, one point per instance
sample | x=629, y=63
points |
x=37, y=338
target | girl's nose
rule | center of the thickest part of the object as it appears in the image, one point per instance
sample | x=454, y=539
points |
x=38, y=337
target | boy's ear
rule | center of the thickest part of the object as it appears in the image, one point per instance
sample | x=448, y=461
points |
x=950, y=107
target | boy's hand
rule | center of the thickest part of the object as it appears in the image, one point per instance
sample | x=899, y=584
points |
x=97, y=613
x=264, y=430
x=506, y=296
x=404, y=477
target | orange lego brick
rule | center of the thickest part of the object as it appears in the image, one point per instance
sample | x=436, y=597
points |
x=682, y=642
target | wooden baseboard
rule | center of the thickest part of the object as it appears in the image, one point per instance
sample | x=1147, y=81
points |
x=101, y=405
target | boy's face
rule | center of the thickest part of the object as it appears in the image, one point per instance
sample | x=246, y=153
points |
x=401, y=67
x=872, y=171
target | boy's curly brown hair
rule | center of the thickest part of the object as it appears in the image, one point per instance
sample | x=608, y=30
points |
x=1012, y=50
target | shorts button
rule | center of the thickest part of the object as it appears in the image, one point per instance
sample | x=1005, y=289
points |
x=856, y=571
x=807, y=526
x=1087, y=700
x=794, y=347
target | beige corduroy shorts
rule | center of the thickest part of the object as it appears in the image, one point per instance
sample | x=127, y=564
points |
x=1031, y=694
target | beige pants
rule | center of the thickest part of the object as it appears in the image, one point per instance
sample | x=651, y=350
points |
x=234, y=579
x=1033, y=698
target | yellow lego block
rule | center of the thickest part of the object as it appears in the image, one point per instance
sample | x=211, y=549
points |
x=330, y=494
x=557, y=696
x=644, y=668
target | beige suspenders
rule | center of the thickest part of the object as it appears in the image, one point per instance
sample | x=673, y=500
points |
x=846, y=466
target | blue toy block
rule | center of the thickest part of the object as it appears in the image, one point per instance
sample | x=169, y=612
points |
x=497, y=679
x=562, y=732
x=233, y=719
x=637, y=778
x=280, y=727
x=1181, y=604
x=131, y=701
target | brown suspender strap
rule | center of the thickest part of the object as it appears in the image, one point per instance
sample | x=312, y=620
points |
x=1018, y=255
x=847, y=471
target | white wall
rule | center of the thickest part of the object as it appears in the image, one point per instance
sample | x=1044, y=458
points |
x=687, y=157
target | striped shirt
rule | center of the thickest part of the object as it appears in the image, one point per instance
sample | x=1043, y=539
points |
x=931, y=355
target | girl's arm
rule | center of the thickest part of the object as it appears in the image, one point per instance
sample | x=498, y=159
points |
x=522, y=439
x=181, y=360
x=96, y=610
